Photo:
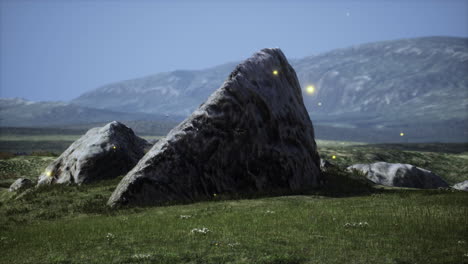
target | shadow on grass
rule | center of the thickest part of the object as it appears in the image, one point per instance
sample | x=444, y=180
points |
x=335, y=182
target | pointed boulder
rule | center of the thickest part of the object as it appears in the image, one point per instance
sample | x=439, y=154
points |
x=102, y=153
x=253, y=134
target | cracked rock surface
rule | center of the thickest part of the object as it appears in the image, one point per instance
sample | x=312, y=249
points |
x=253, y=134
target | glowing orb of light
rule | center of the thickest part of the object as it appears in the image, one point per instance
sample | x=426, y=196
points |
x=333, y=157
x=48, y=173
x=310, y=89
x=402, y=134
x=275, y=72
x=114, y=147
x=319, y=103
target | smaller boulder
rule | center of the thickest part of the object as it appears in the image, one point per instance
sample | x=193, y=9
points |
x=462, y=186
x=102, y=153
x=400, y=175
x=325, y=165
x=20, y=185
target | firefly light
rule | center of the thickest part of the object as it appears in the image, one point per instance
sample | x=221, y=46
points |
x=310, y=89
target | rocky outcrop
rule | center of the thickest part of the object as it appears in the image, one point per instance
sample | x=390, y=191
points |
x=20, y=185
x=253, y=134
x=462, y=186
x=325, y=165
x=400, y=175
x=102, y=153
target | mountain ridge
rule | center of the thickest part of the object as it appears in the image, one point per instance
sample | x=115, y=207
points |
x=415, y=84
x=341, y=77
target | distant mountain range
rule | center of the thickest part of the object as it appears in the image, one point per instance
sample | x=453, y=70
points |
x=416, y=84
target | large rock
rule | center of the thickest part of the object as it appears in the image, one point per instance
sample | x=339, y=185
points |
x=252, y=134
x=20, y=184
x=102, y=153
x=400, y=175
x=462, y=186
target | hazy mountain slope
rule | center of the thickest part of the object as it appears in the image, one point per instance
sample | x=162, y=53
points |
x=380, y=84
x=177, y=92
x=413, y=80
x=20, y=112
x=419, y=86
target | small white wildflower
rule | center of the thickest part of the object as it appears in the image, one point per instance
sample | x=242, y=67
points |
x=466, y=255
x=202, y=230
x=360, y=224
x=110, y=237
x=269, y=212
x=233, y=244
x=460, y=242
x=141, y=256
x=185, y=216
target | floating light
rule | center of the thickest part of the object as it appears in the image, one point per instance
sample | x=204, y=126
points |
x=310, y=89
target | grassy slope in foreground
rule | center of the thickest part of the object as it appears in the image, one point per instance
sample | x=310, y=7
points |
x=69, y=224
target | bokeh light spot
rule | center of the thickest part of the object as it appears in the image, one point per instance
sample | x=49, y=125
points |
x=275, y=72
x=310, y=89
x=402, y=134
x=333, y=157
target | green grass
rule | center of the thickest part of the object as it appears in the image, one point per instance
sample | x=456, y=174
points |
x=39, y=137
x=72, y=224
x=22, y=166
x=450, y=161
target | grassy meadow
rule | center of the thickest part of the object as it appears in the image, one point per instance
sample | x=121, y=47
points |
x=71, y=224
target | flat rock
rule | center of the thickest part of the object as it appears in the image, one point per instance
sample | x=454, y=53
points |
x=253, y=134
x=102, y=153
x=20, y=184
x=462, y=186
x=400, y=175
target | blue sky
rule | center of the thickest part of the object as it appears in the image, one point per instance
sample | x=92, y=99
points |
x=56, y=50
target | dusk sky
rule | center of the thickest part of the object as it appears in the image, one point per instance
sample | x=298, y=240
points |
x=56, y=50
